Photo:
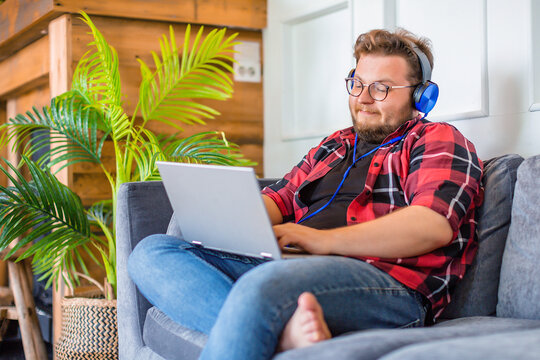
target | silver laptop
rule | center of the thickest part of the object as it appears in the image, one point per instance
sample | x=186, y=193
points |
x=220, y=208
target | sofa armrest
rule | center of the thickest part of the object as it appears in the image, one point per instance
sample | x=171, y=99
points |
x=142, y=209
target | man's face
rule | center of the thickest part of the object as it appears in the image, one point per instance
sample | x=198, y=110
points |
x=374, y=120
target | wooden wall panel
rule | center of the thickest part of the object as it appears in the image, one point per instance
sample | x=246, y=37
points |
x=237, y=13
x=37, y=97
x=134, y=39
x=21, y=23
x=25, y=69
x=241, y=116
x=165, y=10
x=16, y=16
x=243, y=13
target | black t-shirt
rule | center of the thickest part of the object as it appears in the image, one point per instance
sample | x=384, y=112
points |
x=316, y=194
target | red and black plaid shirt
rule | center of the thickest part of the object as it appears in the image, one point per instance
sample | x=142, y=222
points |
x=435, y=166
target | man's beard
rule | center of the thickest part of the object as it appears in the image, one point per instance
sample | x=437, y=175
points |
x=374, y=135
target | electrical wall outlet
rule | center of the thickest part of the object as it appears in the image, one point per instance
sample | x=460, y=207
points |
x=247, y=67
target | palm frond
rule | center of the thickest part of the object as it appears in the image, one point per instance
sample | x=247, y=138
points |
x=110, y=268
x=101, y=213
x=208, y=148
x=97, y=78
x=96, y=74
x=145, y=151
x=4, y=139
x=119, y=122
x=73, y=135
x=46, y=213
x=201, y=74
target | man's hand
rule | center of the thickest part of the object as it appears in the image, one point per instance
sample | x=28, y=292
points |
x=311, y=240
x=410, y=231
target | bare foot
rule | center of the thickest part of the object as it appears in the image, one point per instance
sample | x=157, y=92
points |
x=306, y=326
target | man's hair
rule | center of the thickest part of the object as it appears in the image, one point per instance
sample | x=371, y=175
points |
x=400, y=43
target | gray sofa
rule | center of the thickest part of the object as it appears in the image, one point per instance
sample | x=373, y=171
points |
x=495, y=312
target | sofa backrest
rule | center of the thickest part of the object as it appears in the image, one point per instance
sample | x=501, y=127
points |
x=476, y=293
x=519, y=289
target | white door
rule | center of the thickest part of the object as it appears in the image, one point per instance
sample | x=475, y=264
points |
x=485, y=52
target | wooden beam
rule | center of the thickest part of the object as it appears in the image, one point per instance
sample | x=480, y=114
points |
x=60, y=81
x=60, y=73
x=16, y=16
x=162, y=10
x=60, y=51
x=22, y=22
x=25, y=69
x=6, y=296
x=3, y=182
x=12, y=156
x=232, y=13
x=13, y=257
x=38, y=97
x=8, y=312
x=33, y=345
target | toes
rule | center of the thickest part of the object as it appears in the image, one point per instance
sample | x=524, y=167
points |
x=307, y=325
x=308, y=301
x=316, y=330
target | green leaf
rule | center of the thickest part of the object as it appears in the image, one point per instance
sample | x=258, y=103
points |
x=164, y=94
x=145, y=152
x=208, y=148
x=97, y=78
x=96, y=74
x=110, y=267
x=46, y=213
x=73, y=132
x=101, y=213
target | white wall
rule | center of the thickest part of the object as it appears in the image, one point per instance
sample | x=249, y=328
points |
x=487, y=65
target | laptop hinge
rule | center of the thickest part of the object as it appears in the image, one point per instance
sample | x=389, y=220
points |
x=196, y=242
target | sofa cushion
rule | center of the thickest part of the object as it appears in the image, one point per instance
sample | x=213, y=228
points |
x=372, y=344
x=519, y=290
x=507, y=345
x=476, y=293
x=174, y=229
x=169, y=339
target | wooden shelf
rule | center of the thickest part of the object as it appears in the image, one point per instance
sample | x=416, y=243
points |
x=24, y=21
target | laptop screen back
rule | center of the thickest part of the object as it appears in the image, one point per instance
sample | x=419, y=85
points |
x=220, y=207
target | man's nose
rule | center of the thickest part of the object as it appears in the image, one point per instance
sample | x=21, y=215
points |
x=365, y=97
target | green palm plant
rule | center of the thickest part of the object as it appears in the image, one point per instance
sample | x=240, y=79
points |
x=46, y=218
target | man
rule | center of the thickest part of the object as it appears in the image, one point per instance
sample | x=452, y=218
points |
x=395, y=236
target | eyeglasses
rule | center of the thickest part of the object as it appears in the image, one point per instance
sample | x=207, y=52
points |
x=378, y=91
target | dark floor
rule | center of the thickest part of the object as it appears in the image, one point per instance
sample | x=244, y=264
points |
x=11, y=347
x=11, y=350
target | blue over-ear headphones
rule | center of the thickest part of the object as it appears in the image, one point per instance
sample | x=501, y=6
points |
x=425, y=95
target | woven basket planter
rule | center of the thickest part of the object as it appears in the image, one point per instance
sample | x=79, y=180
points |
x=89, y=330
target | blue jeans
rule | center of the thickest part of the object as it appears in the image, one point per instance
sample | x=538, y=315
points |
x=244, y=303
